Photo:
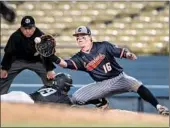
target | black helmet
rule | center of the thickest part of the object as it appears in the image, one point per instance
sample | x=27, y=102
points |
x=62, y=81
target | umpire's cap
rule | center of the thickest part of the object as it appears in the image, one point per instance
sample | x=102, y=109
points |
x=28, y=21
x=82, y=30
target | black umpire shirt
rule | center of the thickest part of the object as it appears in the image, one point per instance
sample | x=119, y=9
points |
x=20, y=47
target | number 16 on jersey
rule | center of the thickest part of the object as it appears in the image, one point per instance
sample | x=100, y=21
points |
x=107, y=67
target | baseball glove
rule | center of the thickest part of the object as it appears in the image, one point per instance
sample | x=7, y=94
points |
x=45, y=45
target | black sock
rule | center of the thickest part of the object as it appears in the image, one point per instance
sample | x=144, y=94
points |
x=147, y=95
x=96, y=101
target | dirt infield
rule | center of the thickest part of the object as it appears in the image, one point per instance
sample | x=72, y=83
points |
x=63, y=116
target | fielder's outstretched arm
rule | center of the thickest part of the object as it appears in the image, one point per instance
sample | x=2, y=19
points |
x=64, y=63
x=76, y=62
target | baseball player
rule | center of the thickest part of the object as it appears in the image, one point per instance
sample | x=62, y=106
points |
x=98, y=59
x=55, y=92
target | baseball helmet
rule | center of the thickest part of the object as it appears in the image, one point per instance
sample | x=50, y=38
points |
x=82, y=30
x=62, y=81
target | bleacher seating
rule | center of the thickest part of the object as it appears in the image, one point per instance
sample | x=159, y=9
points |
x=143, y=27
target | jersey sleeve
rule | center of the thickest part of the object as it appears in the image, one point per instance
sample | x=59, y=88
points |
x=75, y=62
x=114, y=50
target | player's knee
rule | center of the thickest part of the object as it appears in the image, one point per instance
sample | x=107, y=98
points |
x=78, y=100
x=136, y=87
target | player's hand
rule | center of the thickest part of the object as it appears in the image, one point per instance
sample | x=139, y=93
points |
x=4, y=74
x=131, y=56
x=51, y=75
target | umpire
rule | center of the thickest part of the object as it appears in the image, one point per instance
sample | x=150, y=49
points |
x=20, y=55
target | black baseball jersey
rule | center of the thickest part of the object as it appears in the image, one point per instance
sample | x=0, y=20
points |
x=100, y=62
x=48, y=94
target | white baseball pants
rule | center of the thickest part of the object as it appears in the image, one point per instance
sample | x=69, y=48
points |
x=16, y=97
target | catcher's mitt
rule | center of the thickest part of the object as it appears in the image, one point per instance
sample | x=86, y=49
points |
x=45, y=45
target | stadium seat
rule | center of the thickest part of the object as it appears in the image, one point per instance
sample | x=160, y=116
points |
x=143, y=26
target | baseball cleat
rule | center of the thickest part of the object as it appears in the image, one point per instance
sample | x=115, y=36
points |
x=104, y=105
x=163, y=110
